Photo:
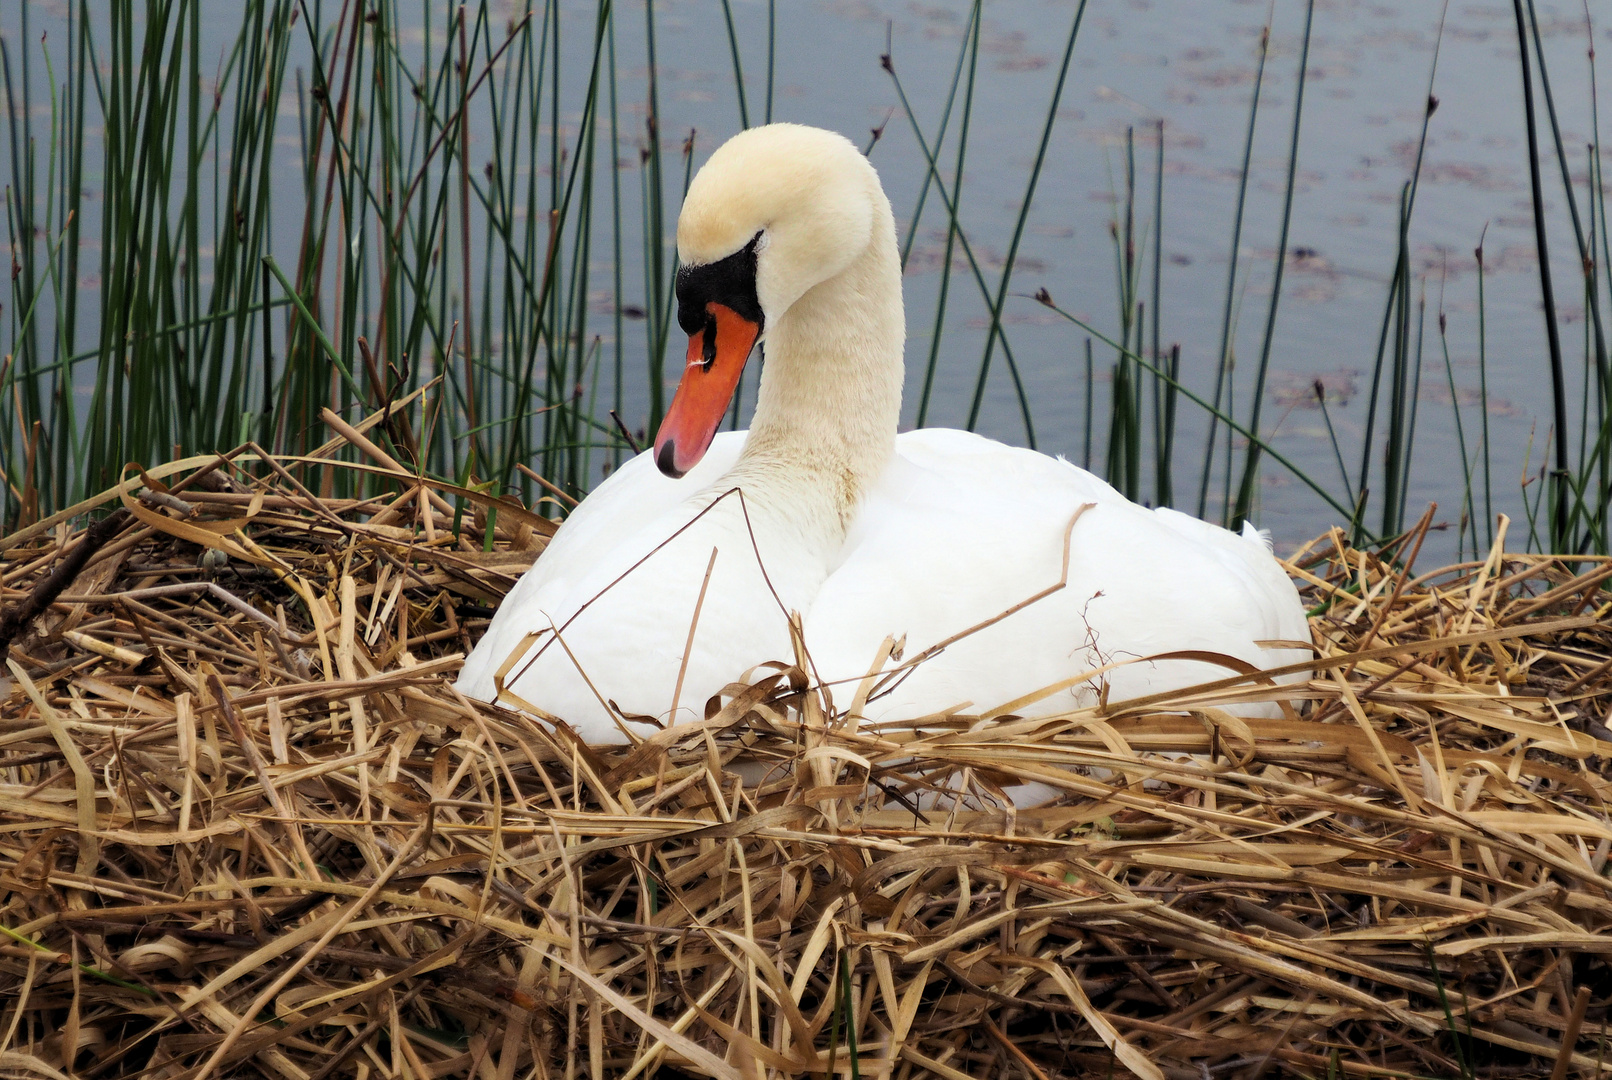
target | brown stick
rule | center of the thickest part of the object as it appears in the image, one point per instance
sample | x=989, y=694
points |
x=632, y=443
x=550, y=488
x=1570, y=1034
x=19, y=615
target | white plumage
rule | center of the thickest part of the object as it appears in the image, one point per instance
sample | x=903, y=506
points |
x=864, y=533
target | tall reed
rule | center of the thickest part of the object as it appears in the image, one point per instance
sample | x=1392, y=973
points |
x=413, y=265
x=471, y=198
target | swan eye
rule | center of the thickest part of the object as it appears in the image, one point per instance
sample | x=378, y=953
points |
x=708, y=350
x=730, y=281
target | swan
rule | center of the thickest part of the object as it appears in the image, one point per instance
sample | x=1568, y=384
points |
x=681, y=570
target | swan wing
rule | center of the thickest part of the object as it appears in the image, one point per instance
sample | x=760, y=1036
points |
x=961, y=529
x=615, y=526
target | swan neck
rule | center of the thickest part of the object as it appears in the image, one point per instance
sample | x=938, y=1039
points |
x=830, y=395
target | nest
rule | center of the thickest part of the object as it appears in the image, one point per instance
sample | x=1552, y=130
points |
x=247, y=828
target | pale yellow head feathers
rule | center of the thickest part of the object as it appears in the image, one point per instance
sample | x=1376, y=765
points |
x=809, y=192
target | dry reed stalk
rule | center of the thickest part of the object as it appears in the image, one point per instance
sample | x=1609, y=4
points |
x=247, y=829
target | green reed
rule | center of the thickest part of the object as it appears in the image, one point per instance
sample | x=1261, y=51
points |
x=414, y=265
x=457, y=181
x=1578, y=490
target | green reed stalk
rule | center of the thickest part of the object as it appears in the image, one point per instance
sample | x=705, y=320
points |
x=772, y=38
x=1245, y=493
x=1414, y=406
x=1468, y=517
x=995, y=330
x=1483, y=404
x=1125, y=419
x=1394, y=442
x=971, y=49
x=1332, y=433
x=655, y=276
x=1604, y=415
x=1392, y=301
x=932, y=175
x=738, y=68
x=1603, y=376
x=1223, y=364
x=617, y=323
x=931, y=162
x=1559, y=516
x=1162, y=423
x=1085, y=460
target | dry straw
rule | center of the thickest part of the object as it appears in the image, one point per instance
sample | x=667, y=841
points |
x=248, y=829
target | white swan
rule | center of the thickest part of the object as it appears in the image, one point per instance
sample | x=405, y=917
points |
x=787, y=241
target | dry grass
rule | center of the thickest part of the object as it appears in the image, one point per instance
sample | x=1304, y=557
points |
x=247, y=829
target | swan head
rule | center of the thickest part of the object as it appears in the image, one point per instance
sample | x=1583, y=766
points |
x=776, y=211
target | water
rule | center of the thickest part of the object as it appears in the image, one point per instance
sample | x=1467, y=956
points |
x=1191, y=65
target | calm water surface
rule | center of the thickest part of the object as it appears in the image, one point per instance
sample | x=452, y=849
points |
x=1192, y=65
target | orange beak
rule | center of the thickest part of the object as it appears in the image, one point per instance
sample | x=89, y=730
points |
x=716, y=358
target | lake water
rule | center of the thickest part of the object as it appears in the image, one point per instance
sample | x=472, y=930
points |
x=1191, y=65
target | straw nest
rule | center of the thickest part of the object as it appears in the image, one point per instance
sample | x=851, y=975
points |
x=247, y=828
